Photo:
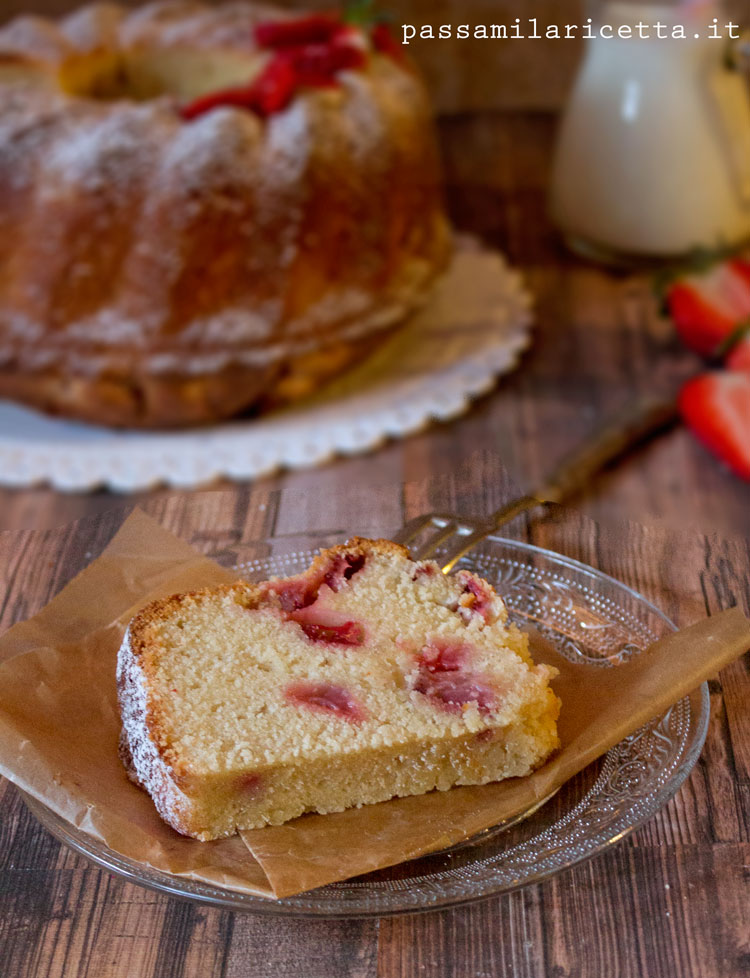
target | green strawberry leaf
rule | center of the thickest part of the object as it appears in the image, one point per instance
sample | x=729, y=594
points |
x=727, y=345
x=697, y=261
x=362, y=13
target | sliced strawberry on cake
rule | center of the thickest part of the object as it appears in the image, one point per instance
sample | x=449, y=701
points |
x=303, y=52
x=368, y=676
x=310, y=29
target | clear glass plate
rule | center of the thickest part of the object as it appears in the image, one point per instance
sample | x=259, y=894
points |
x=590, y=617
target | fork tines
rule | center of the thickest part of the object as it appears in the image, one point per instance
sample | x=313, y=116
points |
x=427, y=534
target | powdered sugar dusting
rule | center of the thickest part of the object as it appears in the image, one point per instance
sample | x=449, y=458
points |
x=93, y=26
x=105, y=150
x=288, y=141
x=182, y=22
x=35, y=36
x=215, y=148
x=148, y=766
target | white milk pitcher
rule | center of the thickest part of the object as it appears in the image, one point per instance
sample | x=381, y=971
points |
x=653, y=155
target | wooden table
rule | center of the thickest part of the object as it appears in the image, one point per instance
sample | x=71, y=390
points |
x=673, y=898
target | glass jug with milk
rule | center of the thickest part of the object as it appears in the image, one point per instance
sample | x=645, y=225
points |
x=653, y=156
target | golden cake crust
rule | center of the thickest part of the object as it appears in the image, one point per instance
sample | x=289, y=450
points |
x=155, y=271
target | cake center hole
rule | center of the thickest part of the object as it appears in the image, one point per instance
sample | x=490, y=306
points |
x=149, y=74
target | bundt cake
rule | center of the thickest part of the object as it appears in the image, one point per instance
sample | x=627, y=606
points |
x=367, y=677
x=205, y=210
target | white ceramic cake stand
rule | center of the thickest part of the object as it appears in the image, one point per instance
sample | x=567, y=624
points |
x=473, y=329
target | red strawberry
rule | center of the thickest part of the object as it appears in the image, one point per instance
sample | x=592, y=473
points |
x=315, y=29
x=271, y=92
x=707, y=307
x=716, y=406
x=317, y=64
x=739, y=357
x=384, y=42
x=239, y=97
x=326, y=698
x=274, y=88
x=350, y=633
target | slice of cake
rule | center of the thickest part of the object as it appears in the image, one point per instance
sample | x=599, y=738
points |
x=367, y=677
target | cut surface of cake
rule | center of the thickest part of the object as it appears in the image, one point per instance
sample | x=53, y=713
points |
x=367, y=677
x=206, y=209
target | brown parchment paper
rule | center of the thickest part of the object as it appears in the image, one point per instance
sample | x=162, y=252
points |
x=59, y=728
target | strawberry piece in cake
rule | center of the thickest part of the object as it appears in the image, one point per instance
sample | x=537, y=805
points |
x=327, y=698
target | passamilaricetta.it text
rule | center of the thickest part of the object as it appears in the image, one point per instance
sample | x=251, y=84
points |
x=532, y=30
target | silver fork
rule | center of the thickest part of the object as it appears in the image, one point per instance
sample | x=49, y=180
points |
x=455, y=536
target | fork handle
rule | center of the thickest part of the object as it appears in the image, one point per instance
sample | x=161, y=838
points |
x=619, y=435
